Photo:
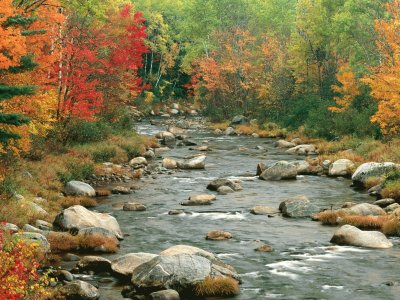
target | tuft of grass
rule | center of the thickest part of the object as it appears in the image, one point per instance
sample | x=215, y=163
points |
x=364, y=222
x=328, y=217
x=221, y=125
x=391, y=227
x=18, y=213
x=217, y=287
x=102, y=192
x=63, y=241
x=71, y=201
x=391, y=190
x=372, y=181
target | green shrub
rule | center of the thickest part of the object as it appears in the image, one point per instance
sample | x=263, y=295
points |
x=77, y=169
x=81, y=132
x=104, y=154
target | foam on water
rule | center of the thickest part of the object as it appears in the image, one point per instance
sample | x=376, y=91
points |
x=229, y=255
x=251, y=274
x=219, y=216
x=329, y=287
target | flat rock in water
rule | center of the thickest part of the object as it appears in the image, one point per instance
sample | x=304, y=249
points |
x=218, y=235
x=298, y=206
x=133, y=206
x=79, y=188
x=348, y=235
x=224, y=190
x=215, y=184
x=203, y=197
x=264, y=210
x=264, y=248
x=121, y=190
x=165, y=295
x=126, y=264
x=79, y=217
x=280, y=170
x=194, y=163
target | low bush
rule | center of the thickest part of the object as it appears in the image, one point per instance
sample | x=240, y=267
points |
x=63, y=241
x=364, y=222
x=391, y=227
x=328, y=217
x=19, y=275
x=76, y=168
x=217, y=287
x=391, y=190
x=66, y=202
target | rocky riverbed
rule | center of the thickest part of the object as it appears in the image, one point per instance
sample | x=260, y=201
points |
x=255, y=231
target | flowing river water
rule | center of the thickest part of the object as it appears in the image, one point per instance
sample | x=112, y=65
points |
x=303, y=265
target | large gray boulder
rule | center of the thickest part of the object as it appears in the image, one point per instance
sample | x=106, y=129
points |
x=180, y=272
x=78, y=290
x=79, y=188
x=341, y=167
x=280, y=170
x=298, y=206
x=79, y=217
x=124, y=265
x=194, y=163
x=348, y=235
x=372, y=169
x=303, y=150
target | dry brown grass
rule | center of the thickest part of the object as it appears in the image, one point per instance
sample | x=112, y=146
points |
x=217, y=287
x=102, y=192
x=364, y=222
x=391, y=190
x=18, y=213
x=221, y=125
x=391, y=227
x=71, y=201
x=372, y=181
x=328, y=217
x=63, y=241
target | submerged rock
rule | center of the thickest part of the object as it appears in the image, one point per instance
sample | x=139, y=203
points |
x=284, y=144
x=165, y=295
x=218, y=235
x=133, y=206
x=348, y=235
x=224, y=190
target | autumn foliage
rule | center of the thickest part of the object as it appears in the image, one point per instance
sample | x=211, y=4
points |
x=19, y=277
